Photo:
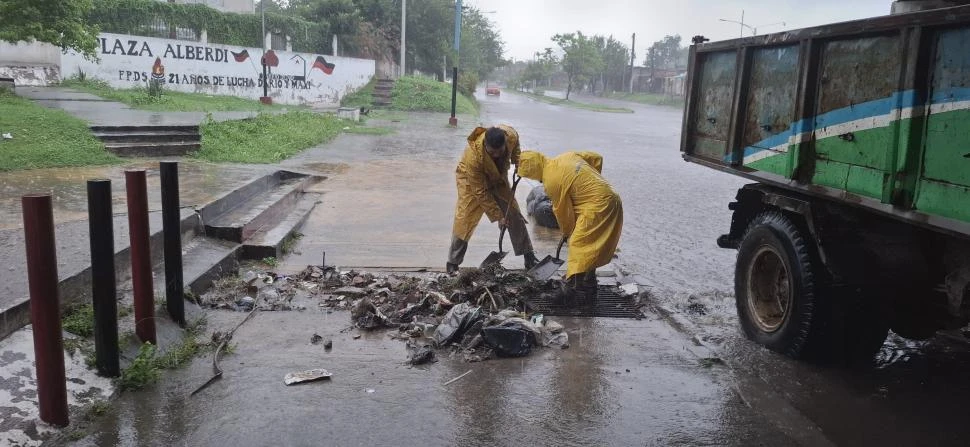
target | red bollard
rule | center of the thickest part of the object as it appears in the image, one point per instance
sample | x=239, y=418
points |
x=45, y=310
x=141, y=255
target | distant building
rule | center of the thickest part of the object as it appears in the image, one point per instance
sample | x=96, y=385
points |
x=240, y=6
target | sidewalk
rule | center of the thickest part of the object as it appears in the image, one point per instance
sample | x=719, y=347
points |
x=101, y=112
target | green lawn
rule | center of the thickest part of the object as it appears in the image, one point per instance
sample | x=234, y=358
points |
x=361, y=98
x=267, y=138
x=575, y=104
x=649, y=98
x=169, y=101
x=45, y=138
x=417, y=94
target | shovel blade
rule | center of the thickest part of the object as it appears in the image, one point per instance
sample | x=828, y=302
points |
x=494, y=258
x=547, y=267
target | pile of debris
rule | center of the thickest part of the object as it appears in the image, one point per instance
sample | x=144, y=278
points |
x=475, y=315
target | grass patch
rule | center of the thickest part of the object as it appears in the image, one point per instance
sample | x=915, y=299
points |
x=146, y=368
x=79, y=320
x=168, y=100
x=368, y=130
x=575, y=104
x=649, y=98
x=418, y=94
x=290, y=242
x=143, y=371
x=270, y=261
x=364, y=97
x=267, y=138
x=45, y=138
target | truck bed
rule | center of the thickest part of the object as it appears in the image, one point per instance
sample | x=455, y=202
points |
x=873, y=113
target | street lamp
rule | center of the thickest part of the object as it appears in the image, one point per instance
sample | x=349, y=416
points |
x=754, y=29
x=404, y=4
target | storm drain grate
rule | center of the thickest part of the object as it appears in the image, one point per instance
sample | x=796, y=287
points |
x=608, y=304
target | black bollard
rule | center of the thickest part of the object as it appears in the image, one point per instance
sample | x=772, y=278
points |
x=171, y=227
x=103, y=286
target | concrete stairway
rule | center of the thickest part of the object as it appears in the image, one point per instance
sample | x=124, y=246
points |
x=382, y=92
x=149, y=141
x=263, y=215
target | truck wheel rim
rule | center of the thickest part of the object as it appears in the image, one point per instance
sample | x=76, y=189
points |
x=769, y=289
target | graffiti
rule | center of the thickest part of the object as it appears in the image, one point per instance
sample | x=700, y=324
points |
x=294, y=78
x=158, y=70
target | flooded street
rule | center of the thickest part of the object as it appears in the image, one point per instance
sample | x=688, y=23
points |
x=388, y=203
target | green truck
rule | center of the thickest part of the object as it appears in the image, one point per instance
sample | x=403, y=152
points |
x=857, y=135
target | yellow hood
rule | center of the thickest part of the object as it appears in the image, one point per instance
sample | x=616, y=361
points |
x=531, y=164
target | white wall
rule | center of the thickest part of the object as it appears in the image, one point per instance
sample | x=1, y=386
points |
x=127, y=61
x=34, y=63
x=34, y=53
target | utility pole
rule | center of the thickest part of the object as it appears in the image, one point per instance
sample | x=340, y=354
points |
x=404, y=13
x=633, y=55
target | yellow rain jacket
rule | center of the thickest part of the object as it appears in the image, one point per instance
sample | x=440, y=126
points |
x=479, y=178
x=587, y=208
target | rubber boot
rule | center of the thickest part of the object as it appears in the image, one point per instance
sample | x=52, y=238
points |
x=589, y=287
x=569, y=291
x=451, y=269
x=530, y=260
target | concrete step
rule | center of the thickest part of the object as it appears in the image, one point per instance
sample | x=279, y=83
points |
x=268, y=242
x=136, y=129
x=163, y=136
x=153, y=149
x=204, y=260
x=264, y=207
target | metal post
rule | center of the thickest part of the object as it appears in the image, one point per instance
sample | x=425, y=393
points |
x=45, y=311
x=742, y=23
x=103, y=285
x=171, y=227
x=141, y=262
x=404, y=27
x=453, y=121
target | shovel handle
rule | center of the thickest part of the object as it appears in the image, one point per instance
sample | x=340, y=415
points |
x=508, y=206
x=559, y=249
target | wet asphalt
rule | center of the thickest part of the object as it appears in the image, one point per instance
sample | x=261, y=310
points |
x=388, y=202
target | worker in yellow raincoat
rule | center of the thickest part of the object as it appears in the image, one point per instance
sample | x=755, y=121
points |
x=587, y=208
x=483, y=188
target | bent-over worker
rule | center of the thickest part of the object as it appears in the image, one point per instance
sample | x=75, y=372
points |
x=483, y=188
x=588, y=210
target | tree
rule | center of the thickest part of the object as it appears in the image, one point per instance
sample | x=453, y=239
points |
x=481, y=46
x=615, y=57
x=541, y=68
x=581, y=60
x=59, y=22
x=666, y=54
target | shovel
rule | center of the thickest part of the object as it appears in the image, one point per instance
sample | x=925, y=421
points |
x=548, y=266
x=496, y=257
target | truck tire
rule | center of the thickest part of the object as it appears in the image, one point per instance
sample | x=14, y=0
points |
x=785, y=304
x=774, y=283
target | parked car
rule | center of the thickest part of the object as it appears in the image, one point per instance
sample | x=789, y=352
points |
x=493, y=91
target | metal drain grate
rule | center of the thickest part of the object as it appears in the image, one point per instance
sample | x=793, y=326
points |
x=608, y=304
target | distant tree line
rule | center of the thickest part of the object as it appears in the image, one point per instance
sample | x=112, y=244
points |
x=595, y=63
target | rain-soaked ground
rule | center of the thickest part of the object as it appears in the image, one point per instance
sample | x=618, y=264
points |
x=388, y=202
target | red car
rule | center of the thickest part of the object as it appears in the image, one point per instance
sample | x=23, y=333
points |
x=493, y=91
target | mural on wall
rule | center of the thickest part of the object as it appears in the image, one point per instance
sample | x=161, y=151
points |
x=127, y=61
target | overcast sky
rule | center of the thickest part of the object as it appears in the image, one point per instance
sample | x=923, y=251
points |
x=527, y=25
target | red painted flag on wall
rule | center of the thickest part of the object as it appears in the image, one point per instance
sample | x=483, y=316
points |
x=323, y=65
x=240, y=56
